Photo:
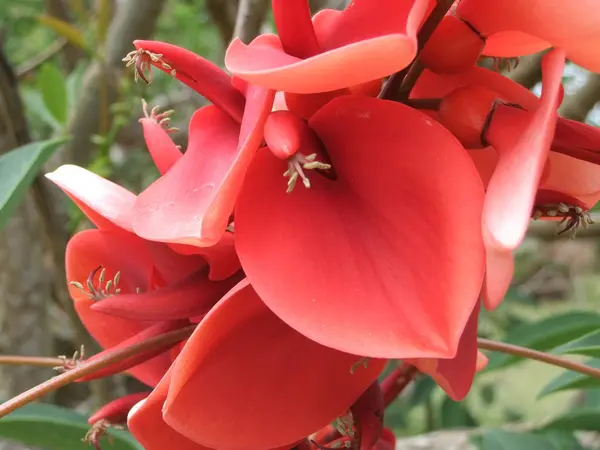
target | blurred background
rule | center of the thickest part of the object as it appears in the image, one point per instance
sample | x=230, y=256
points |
x=61, y=74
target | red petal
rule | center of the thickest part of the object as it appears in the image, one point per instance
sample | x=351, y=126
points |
x=367, y=413
x=191, y=204
x=511, y=192
x=192, y=296
x=387, y=441
x=147, y=425
x=584, y=52
x=116, y=411
x=500, y=267
x=455, y=376
x=163, y=150
x=116, y=252
x=553, y=21
x=295, y=29
x=222, y=257
x=200, y=74
x=105, y=203
x=365, y=43
x=509, y=44
x=341, y=259
x=579, y=179
x=244, y=366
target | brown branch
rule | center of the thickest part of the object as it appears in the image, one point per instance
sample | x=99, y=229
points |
x=250, y=17
x=578, y=105
x=223, y=14
x=91, y=366
x=529, y=71
x=39, y=361
x=546, y=358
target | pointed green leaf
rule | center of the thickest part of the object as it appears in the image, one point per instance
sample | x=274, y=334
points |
x=52, y=84
x=18, y=169
x=588, y=345
x=51, y=427
x=572, y=380
x=546, y=334
x=455, y=415
x=587, y=419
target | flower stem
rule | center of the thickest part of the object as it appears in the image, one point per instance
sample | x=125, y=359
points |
x=400, y=84
x=528, y=353
x=87, y=368
x=39, y=361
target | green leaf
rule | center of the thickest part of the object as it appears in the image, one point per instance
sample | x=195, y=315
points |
x=509, y=440
x=455, y=415
x=572, y=380
x=546, y=334
x=18, y=169
x=51, y=427
x=577, y=420
x=36, y=107
x=52, y=85
x=588, y=345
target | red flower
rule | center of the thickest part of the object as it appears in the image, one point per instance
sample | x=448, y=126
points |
x=520, y=172
x=126, y=289
x=367, y=41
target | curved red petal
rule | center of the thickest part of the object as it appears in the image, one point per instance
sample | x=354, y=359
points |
x=584, y=52
x=162, y=149
x=116, y=411
x=341, y=260
x=192, y=296
x=366, y=42
x=191, y=204
x=455, y=376
x=305, y=105
x=221, y=257
x=579, y=179
x=294, y=27
x=146, y=423
x=511, y=191
x=105, y=203
x=171, y=266
x=243, y=365
x=199, y=74
x=507, y=44
x=500, y=267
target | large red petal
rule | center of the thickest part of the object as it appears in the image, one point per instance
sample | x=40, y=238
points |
x=198, y=73
x=191, y=204
x=146, y=423
x=342, y=262
x=366, y=42
x=105, y=203
x=246, y=367
x=523, y=150
x=455, y=376
x=507, y=44
x=584, y=52
x=115, y=252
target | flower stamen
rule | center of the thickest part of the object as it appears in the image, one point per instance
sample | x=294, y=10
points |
x=161, y=118
x=573, y=216
x=101, y=290
x=71, y=363
x=97, y=431
x=364, y=361
x=297, y=164
x=143, y=60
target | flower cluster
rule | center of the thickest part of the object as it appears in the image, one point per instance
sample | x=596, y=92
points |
x=317, y=227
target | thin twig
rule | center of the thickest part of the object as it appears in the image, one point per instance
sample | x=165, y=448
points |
x=399, y=85
x=38, y=361
x=91, y=366
x=528, y=353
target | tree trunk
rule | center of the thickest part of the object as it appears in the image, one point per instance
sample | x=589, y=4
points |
x=25, y=282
